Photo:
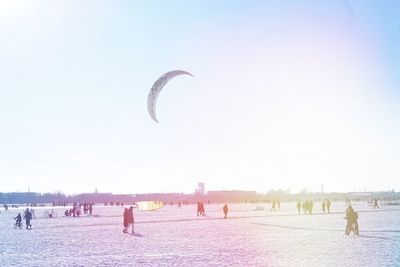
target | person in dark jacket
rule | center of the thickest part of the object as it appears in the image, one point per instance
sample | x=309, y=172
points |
x=18, y=220
x=28, y=217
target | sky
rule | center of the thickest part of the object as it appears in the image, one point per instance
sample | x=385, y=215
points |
x=285, y=95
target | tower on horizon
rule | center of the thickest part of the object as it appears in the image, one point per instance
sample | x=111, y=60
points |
x=201, y=188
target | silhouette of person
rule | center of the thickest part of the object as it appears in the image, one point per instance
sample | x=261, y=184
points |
x=126, y=225
x=376, y=203
x=273, y=206
x=351, y=217
x=85, y=208
x=198, y=208
x=225, y=209
x=18, y=220
x=131, y=219
x=298, y=206
x=202, y=211
x=323, y=206
x=74, y=207
x=51, y=213
x=311, y=206
x=328, y=205
x=28, y=217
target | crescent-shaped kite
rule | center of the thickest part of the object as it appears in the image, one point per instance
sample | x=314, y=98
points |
x=156, y=89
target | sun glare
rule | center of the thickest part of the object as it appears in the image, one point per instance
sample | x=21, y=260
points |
x=14, y=12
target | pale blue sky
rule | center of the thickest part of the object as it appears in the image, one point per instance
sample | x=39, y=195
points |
x=285, y=94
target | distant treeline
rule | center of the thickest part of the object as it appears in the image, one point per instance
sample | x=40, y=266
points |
x=233, y=196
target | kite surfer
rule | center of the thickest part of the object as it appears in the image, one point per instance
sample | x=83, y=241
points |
x=156, y=89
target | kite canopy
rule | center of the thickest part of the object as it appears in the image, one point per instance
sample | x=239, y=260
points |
x=157, y=87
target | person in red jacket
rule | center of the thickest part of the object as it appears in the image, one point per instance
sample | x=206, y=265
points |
x=125, y=221
x=131, y=220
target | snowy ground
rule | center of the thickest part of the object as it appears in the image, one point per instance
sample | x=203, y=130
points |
x=174, y=237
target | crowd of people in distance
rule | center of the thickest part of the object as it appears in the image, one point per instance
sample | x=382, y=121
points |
x=308, y=205
x=75, y=211
x=305, y=207
x=179, y=204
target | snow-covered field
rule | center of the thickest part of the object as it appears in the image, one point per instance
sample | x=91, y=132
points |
x=176, y=237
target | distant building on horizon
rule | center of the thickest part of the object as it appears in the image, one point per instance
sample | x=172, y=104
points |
x=201, y=189
x=232, y=196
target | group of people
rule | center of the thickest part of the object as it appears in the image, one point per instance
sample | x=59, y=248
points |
x=27, y=217
x=128, y=220
x=179, y=203
x=307, y=206
x=352, y=221
x=275, y=205
x=75, y=211
x=128, y=215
